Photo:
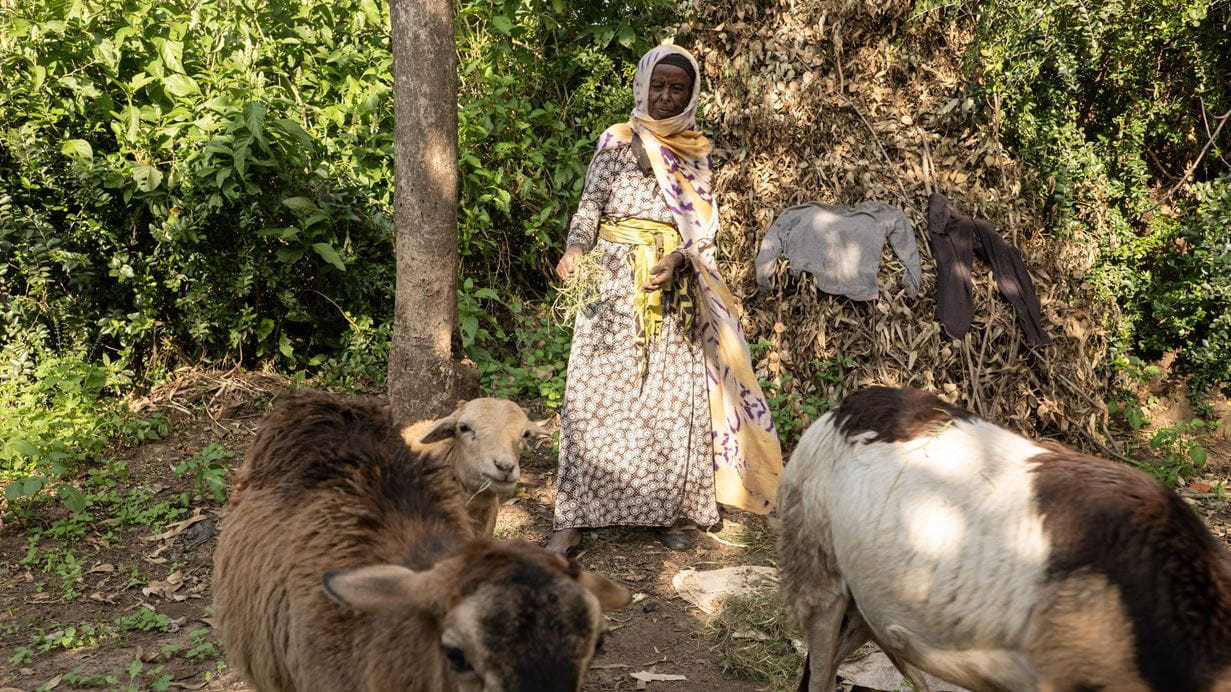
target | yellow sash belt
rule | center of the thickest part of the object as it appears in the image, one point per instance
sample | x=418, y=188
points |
x=651, y=242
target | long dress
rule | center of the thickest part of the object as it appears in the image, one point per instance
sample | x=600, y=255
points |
x=634, y=451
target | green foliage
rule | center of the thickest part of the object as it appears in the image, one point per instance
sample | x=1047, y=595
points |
x=1180, y=456
x=795, y=404
x=208, y=179
x=201, y=646
x=360, y=362
x=540, y=80
x=209, y=475
x=77, y=678
x=58, y=417
x=214, y=180
x=1176, y=453
x=144, y=620
x=23, y=654
x=1114, y=105
x=529, y=361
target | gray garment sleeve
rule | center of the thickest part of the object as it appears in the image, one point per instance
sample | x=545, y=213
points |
x=583, y=229
x=902, y=239
x=771, y=250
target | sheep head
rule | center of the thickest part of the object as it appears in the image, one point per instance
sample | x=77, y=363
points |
x=487, y=436
x=512, y=617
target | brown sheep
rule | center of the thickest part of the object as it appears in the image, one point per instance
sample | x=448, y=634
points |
x=482, y=442
x=992, y=561
x=347, y=562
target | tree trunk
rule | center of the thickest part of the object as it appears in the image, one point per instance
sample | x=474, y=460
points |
x=422, y=371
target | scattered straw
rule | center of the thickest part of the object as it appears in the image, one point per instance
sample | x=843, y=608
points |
x=580, y=289
x=754, y=636
x=220, y=394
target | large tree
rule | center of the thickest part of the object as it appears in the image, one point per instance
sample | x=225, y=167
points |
x=423, y=373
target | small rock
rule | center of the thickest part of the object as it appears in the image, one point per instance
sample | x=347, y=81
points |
x=649, y=606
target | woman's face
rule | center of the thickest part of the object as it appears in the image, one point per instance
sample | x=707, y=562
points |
x=670, y=91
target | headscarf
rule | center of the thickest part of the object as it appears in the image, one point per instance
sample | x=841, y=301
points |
x=747, y=455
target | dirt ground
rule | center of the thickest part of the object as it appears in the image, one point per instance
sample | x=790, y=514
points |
x=72, y=608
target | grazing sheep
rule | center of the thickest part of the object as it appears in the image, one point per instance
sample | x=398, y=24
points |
x=347, y=562
x=482, y=442
x=993, y=562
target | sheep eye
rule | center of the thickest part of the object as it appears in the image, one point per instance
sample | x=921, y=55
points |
x=457, y=659
x=464, y=427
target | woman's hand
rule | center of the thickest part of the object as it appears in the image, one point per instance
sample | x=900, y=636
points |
x=663, y=272
x=565, y=266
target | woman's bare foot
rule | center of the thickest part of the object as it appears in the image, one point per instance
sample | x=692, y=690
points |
x=564, y=540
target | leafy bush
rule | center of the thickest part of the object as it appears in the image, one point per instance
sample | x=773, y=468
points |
x=51, y=424
x=205, y=179
x=1115, y=106
x=529, y=361
x=213, y=181
x=540, y=80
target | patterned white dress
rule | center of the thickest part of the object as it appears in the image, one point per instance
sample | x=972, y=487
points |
x=633, y=451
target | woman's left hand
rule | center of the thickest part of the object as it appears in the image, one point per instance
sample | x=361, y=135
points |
x=663, y=272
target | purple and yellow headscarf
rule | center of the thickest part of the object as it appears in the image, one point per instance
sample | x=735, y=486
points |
x=747, y=456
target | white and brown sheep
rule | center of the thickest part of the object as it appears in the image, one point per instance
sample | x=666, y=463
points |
x=482, y=442
x=346, y=561
x=994, y=562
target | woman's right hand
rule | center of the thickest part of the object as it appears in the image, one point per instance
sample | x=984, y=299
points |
x=565, y=266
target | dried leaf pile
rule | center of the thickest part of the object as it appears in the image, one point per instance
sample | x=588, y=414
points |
x=842, y=102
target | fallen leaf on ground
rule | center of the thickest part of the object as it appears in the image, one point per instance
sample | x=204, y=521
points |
x=752, y=634
x=647, y=676
x=177, y=528
x=104, y=567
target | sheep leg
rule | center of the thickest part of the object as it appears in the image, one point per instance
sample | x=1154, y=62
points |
x=912, y=674
x=856, y=632
x=823, y=628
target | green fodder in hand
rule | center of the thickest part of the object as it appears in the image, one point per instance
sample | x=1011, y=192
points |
x=580, y=289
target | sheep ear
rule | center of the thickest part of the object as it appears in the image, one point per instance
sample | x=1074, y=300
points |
x=610, y=595
x=538, y=430
x=442, y=429
x=382, y=589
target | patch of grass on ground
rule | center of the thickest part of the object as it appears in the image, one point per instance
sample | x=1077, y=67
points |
x=754, y=637
x=752, y=538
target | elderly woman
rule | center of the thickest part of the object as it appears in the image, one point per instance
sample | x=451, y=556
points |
x=663, y=418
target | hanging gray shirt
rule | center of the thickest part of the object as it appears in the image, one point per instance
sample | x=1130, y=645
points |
x=840, y=246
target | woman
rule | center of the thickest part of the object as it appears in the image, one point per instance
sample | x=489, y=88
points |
x=662, y=414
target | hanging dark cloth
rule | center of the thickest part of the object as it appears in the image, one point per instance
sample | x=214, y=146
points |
x=955, y=240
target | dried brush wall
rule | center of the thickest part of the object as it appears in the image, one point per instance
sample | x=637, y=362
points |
x=842, y=102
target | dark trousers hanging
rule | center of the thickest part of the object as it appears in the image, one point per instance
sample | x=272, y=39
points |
x=955, y=240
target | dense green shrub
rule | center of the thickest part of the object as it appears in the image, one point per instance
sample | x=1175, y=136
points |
x=1113, y=105
x=206, y=178
x=540, y=80
x=213, y=180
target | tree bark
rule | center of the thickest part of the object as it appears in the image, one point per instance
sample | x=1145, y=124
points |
x=422, y=372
